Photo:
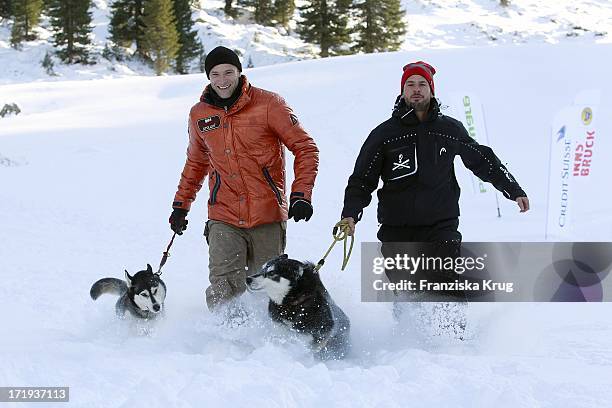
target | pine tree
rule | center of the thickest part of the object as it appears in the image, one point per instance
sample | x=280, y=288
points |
x=160, y=39
x=26, y=15
x=380, y=27
x=325, y=23
x=284, y=10
x=188, y=38
x=264, y=12
x=202, y=60
x=369, y=29
x=229, y=10
x=48, y=64
x=112, y=52
x=126, y=26
x=71, y=23
x=394, y=24
x=6, y=8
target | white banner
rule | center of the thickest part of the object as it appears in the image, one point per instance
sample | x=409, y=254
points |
x=579, y=205
x=466, y=107
x=558, y=225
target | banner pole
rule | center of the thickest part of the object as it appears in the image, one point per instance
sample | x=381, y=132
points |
x=484, y=121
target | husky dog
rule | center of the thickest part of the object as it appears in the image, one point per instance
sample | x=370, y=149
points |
x=299, y=300
x=142, y=295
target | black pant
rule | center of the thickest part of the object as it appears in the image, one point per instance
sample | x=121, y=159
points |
x=441, y=240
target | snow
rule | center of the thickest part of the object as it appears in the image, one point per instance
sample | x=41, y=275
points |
x=431, y=24
x=93, y=169
x=264, y=45
x=444, y=24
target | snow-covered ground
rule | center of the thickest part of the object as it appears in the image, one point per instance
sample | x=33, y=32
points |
x=444, y=24
x=93, y=169
x=431, y=24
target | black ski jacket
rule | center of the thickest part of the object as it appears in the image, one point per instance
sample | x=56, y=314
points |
x=415, y=162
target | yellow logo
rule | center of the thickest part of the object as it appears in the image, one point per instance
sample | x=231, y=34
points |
x=587, y=116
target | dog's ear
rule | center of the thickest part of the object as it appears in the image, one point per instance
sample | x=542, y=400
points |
x=307, y=266
x=149, y=269
x=128, y=278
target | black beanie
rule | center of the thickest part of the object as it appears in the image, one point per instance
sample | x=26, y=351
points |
x=221, y=55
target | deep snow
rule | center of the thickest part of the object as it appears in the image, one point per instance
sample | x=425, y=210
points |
x=95, y=166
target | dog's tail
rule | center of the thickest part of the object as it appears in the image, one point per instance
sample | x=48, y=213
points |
x=113, y=286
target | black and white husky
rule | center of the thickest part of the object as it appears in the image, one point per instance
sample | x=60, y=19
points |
x=142, y=295
x=299, y=300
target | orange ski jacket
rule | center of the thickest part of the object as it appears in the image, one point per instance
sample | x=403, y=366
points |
x=241, y=151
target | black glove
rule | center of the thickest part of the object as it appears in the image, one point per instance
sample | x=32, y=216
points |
x=299, y=207
x=177, y=220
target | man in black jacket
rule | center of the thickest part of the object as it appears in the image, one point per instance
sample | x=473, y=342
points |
x=413, y=153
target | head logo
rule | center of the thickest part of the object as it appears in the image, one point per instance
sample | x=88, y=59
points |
x=587, y=116
x=561, y=133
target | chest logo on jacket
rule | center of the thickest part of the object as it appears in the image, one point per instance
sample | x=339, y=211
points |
x=401, y=163
x=405, y=165
x=209, y=123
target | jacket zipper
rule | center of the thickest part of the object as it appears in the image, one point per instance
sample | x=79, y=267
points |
x=272, y=185
x=213, y=193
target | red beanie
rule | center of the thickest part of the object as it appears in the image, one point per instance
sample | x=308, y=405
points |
x=419, y=68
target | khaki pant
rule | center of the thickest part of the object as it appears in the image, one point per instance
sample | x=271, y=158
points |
x=234, y=253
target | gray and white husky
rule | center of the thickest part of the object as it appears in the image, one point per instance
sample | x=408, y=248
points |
x=142, y=295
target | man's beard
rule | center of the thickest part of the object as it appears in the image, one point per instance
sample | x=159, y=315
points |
x=421, y=106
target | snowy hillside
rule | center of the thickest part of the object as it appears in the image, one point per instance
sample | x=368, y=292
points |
x=430, y=24
x=444, y=24
x=263, y=45
x=88, y=173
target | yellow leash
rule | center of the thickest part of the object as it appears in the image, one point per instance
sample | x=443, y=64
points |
x=340, y=233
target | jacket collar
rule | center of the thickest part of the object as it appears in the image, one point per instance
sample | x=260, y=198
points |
x=407, y=115
x=233, y=105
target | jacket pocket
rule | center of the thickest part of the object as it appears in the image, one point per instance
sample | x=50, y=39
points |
x=207, y=231
x=215, y=190
x=268, y=178
x=401, y=162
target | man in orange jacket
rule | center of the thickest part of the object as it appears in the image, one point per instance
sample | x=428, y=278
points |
x=237, y=134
